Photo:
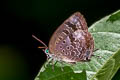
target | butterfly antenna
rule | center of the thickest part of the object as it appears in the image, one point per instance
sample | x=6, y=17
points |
x=39, y=41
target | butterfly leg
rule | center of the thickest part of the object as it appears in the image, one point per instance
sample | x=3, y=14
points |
x=53, y=64
x=49, y=61
x=61, y=65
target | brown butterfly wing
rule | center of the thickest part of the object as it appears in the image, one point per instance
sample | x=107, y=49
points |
x=72, y=42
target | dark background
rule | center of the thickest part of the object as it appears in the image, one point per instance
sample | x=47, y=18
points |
x=19, y=59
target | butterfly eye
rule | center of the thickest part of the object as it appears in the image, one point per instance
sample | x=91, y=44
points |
x=46, y=51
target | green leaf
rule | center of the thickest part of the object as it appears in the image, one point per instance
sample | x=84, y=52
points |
x=57, y=74
x=109, y=69
x=114, y=17
x=106, y=33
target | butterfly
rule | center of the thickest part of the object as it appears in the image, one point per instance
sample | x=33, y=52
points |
x=71, y=42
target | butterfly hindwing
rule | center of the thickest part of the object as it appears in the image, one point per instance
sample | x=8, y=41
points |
x=71, y=41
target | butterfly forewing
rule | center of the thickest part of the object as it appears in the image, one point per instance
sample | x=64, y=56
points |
x=72, y=42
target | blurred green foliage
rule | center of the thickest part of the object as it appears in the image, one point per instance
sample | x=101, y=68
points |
x=12, y=64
